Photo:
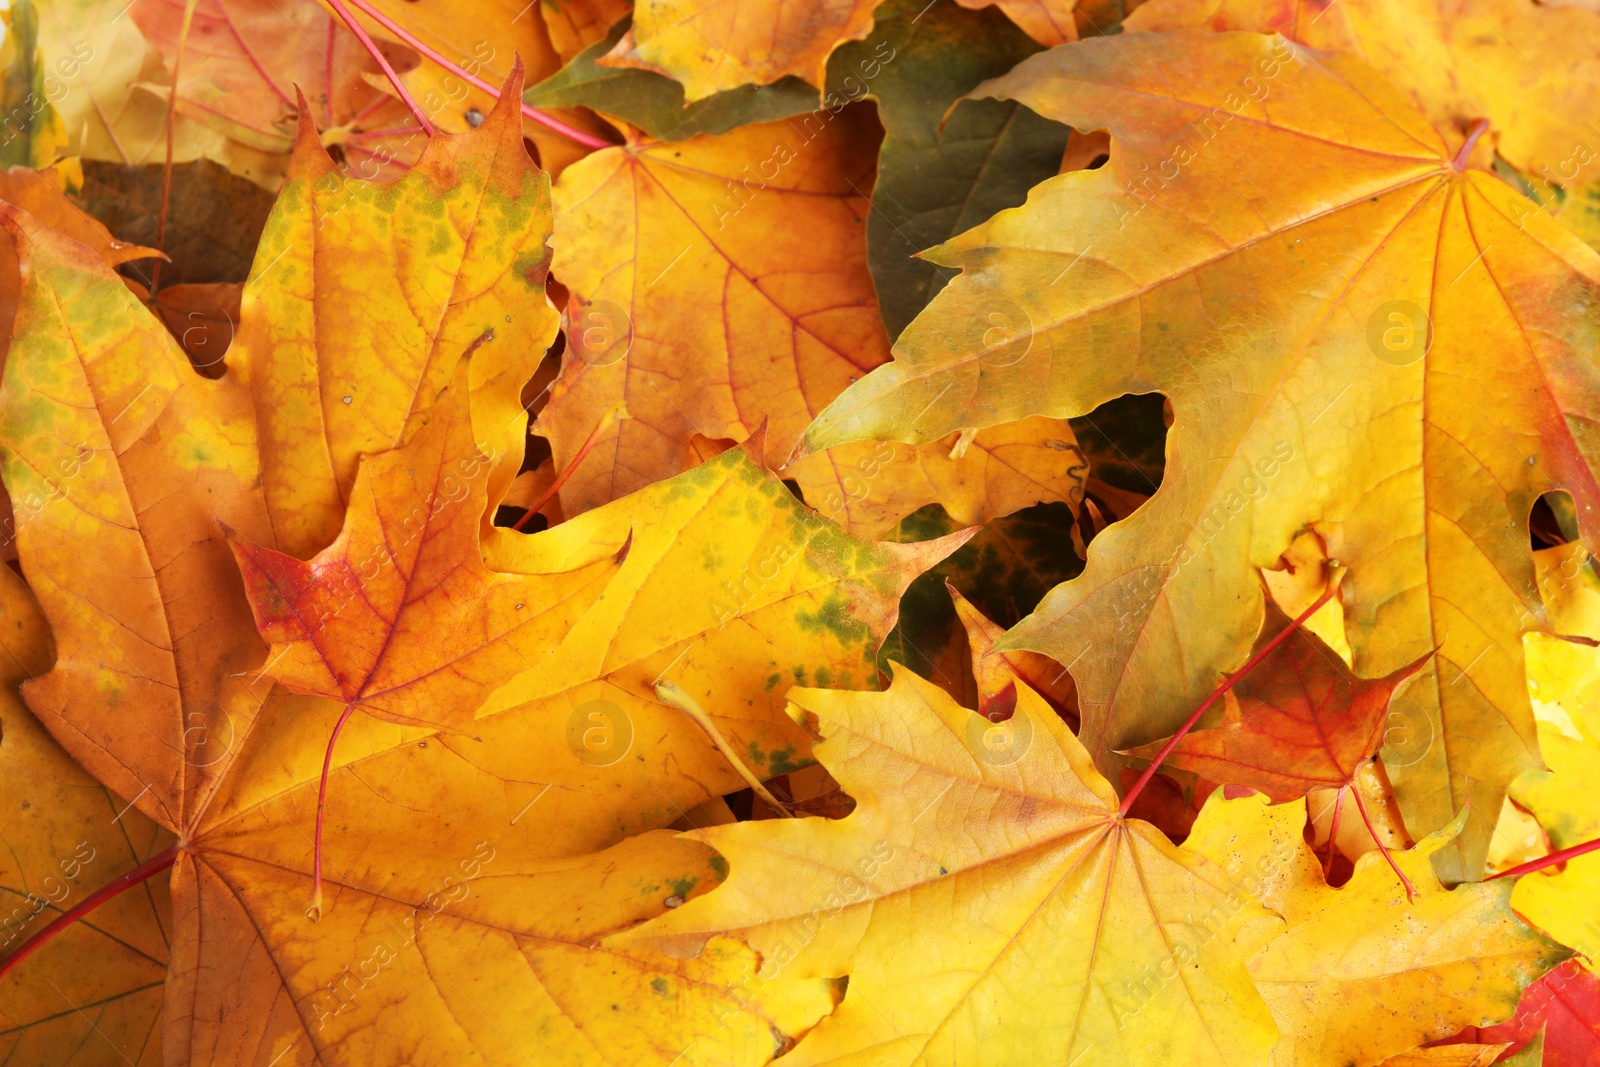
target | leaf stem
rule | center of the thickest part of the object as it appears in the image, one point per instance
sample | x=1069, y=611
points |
x=673, y=695
x=142, y=873
x=327, y=72
x=1333, y=832
x=608, y=420
x=382, y=60
x=1479, y=128
x=588, y=140
x=172, y=120
x=314, y=912
x=1411, y=890
x=1547, y=861
x=1216, y=694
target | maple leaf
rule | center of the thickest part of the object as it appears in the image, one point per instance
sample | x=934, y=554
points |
x=214, y=753
x=712, y=45
x=399, y=617
x=65, y=834
x=1526, y=67
x=459, y=243
x=1365, y=971
x=1300, y=720
x=809, y=595
x=643, y=231
x=243, y=61
x=938, y=171
x=968, y=891
x=1440, y=553
x=108, y=437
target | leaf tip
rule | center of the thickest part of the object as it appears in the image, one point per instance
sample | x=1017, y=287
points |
x=755, y=446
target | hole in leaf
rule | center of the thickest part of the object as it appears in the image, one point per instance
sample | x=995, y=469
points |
x=1125, y=441
x=1553, y=520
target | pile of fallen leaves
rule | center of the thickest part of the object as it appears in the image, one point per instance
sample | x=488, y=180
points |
x=711, y=532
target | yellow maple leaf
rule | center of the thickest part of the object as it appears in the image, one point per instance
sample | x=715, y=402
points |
x=990, y=906
x=108, y=437
x=363, y=298
x=1319, y=328
x=1363, y=972
x=722, y=282
x=1527, y=67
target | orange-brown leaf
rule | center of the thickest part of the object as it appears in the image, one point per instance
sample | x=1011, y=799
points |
x=1300, y=720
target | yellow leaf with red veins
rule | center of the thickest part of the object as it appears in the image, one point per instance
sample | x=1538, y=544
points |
x=64, y=839
x=364, y=297
x=1361, y=972
x=707, y=300
x=714, y=45
x=109, y=438
x=1283, y=245
x=990, y=909
x=726, y=583
x=399, y=617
